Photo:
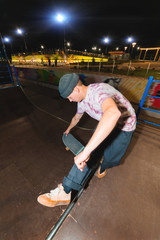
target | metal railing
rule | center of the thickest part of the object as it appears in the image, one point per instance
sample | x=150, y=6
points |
x=145, y=94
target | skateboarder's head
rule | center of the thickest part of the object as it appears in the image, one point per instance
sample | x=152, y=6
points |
x=67, y=84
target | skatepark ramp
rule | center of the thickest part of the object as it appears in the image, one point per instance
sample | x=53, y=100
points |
x=122, y=205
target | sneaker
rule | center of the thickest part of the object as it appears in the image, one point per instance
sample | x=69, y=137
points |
x=55, y=198
x=97, y=173
x=100, y=175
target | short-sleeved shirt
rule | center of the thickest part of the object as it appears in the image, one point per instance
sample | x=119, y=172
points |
x=96, y=94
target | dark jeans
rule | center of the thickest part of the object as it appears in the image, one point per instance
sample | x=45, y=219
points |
x=113, y=148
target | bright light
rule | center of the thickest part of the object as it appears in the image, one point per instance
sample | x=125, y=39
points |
x=117, y=48
x=42, y=47
x=99, y=49
x=19, y=31
x=6, y=39
x=134, y=44
x=68, y=44
x=106, y=40
x=130, y=39
x=125, y=48
x=60, y=18
x=94, y=48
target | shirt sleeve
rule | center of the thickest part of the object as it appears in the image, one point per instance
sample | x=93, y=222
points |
x=80, y=109
x=101, y=97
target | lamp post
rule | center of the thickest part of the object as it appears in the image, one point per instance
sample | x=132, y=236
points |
x=125, y=48
x=106, y=41
x=133, y=45
x=21, y=33
x=8, y=40
x=42, y=49
x=4, y=49
x=62, y=19
x=129, y=40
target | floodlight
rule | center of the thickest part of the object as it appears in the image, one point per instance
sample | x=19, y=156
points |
x=106, y=40
x=130, y=39
x=6, y=39
x=19, y=31
x=60, y=18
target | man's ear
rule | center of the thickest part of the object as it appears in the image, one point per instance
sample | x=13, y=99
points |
x=77, y=89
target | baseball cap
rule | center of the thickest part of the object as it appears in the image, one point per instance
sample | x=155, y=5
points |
x=67, y=83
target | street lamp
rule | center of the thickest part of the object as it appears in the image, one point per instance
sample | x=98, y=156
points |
x=129, y=40
x=68, y=44
x=94, y=48
x=19, y=31
x=42, y=49
x=125, y=48
x=133, y=45
x=106, y=40
x=62, y=19
x=4, y=49
x=8, y=40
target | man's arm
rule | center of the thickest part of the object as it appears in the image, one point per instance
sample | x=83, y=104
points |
x=74, y=122
x=107, y=123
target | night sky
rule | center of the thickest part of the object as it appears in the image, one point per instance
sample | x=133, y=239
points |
x=87, y=23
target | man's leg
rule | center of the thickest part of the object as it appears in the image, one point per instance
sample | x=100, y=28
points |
x=116, y=146
x=75, y=178
x=62, y=194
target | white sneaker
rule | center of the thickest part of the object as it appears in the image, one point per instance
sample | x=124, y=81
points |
x=55, y=198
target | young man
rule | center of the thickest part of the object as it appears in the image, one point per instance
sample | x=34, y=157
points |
x=116, y=124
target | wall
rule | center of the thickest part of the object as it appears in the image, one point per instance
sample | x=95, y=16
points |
x=132, y=89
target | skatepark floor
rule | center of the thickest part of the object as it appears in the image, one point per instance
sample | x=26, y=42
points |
x=124, y=205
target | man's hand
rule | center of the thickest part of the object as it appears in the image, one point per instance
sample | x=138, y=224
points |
x=66, y=132
x=81, y=159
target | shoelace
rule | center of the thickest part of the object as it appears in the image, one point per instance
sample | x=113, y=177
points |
x=54, y=192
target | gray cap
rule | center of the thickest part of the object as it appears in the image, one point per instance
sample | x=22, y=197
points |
x=67, y=83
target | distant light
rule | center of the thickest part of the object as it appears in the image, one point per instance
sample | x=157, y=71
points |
x=138, y=48
x=125, y=48
x=60, y=18
x=68, y=44
x=19, y=31
x=134, y=44
x=117, y=48
x=85, y=50
x=106, y=40
x=42, y=47
x=99, y=49
x=6, y=39
x=94, y=48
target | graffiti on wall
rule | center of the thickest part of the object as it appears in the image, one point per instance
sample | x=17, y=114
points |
x=40, y=75
x=155, y=91
x=132, y=89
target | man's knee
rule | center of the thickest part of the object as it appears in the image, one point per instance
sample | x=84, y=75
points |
x=106, y=165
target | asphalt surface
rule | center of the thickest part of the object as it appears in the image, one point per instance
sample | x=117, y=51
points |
x=124, y=205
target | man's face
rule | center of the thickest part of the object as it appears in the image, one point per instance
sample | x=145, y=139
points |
x=75, y=95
